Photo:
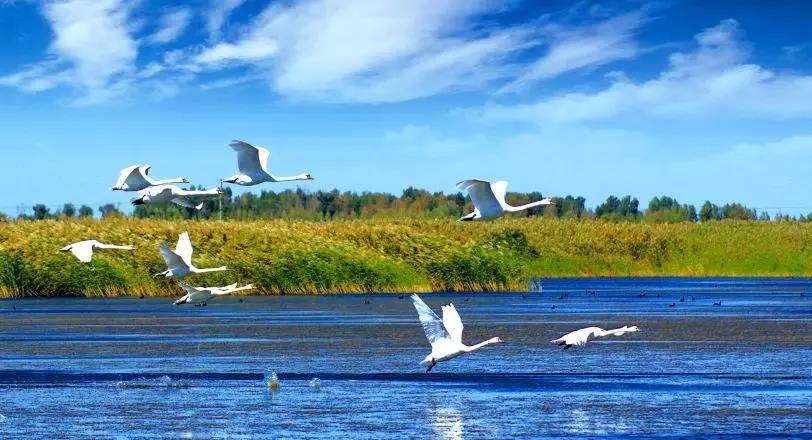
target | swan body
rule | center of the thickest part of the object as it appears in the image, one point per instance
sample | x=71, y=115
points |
x=83, y=250
x=581, y=337
x=174, y=194
x=489, y=200
x=253, y=165
x=136, y=178
x=201, y=295
x=444, y=335
x=179, y=262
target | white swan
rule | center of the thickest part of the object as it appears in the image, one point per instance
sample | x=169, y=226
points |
x=489, y=200
x=83, y=250
x=179, y=262
x=201, y=295
x=253, y=165
x=173, y=194
x=136, y=178
x=584, y=335
x=445, y=336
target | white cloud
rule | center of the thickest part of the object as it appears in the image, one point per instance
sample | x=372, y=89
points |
x=583, y=47
x=369, y=51
x=92, y=50
x=217, y=15
x=172, y=25
x=714, y=79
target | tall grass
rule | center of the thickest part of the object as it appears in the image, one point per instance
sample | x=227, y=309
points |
x=281, y=257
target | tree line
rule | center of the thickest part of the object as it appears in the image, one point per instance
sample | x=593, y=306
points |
x=299, y=204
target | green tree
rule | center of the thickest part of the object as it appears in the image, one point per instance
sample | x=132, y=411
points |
x=68, y=210
x=41, y=212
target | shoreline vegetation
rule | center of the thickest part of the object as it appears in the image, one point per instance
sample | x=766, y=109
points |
x=402, y=255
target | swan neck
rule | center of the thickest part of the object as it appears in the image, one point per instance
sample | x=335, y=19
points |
x=482, y=344
x=289, y=178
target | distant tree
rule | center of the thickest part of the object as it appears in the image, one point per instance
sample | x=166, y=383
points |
x=626, y=208
x=109, y=210
x=68, y=210
x=85, y=211
x=737, y=211
x=667, y=209
x=41, y=212
x=764, y=216
x=709, y=211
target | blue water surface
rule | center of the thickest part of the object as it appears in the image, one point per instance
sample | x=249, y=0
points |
x=128, y=368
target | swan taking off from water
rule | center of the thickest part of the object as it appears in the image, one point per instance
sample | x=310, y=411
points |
x=444, y=335
x=173, y=194
x=179, y=262
x=83, y=250
x=136, y=178
x=253, y=165
x=489, y=200
x=584, y=335
x=201, y=295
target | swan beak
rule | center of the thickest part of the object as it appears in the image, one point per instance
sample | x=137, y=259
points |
x=310, y=177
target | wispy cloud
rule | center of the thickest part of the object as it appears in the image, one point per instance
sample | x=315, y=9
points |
x=171, y=26
x=92, y=50
x=713, y=79
x=217, y=15
x=583, y=47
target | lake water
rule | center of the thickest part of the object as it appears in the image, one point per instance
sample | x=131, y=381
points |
x=136, y=368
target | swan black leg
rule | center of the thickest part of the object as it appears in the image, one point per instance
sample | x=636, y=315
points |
x=433, y=363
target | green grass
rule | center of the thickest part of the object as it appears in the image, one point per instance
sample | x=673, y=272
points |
x=284, y=257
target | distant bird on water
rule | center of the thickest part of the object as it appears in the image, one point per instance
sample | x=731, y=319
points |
x=253, y=165
x=584, y=335
x=444, y=335
x=83, y=250
x=201, y=295
x=179, y=262
x=176, y=195
x=489, y=200
x=136, y=178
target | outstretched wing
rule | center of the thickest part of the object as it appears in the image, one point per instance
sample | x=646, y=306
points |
x=499, y=190
x=171, y=258
x=432, y=325
x=124, y=174
x=187, y=204
x=452, y=322
x=188, y=288
x=83, y=251
x=251, y=160
x=184, y=248
x=481, y=195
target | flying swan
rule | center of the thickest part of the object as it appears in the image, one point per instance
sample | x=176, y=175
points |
x=253, y=165
x=173, y=194
x=136, y=178
x=445, y=336
x=201, y=295
x=179, y=262
x=83, y=250
x=489, y=200
x=584, y=335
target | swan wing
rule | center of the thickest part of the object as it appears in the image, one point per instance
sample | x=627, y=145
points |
x=124, y=175
x=499, y=190
x=432, y=324
x=251, y=160
x=171, y=258
x=83, y=251
x=184, y=248
x=481, y=195
x=188, y=288
x=452, y=322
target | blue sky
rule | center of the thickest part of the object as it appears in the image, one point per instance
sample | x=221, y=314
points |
x=696, y=100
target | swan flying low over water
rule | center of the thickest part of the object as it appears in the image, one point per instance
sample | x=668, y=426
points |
x=173, y=194
x=584, y=335
x=179, y=262
x=253, y=165
x=201, y=295
x=444, y=335
x=83, y=250
x=136, y=178
x=489, y=200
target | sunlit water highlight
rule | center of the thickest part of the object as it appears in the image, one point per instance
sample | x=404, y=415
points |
x=129, y=367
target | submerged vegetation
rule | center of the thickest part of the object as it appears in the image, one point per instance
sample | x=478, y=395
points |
x=399, y=255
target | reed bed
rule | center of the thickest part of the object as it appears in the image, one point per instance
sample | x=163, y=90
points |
x=304, y=257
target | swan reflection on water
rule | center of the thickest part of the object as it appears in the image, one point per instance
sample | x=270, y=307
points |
x=446, y=421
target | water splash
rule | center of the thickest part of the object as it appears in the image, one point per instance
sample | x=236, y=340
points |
x=161, y=382
x=315, y=383
x=272, y=381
